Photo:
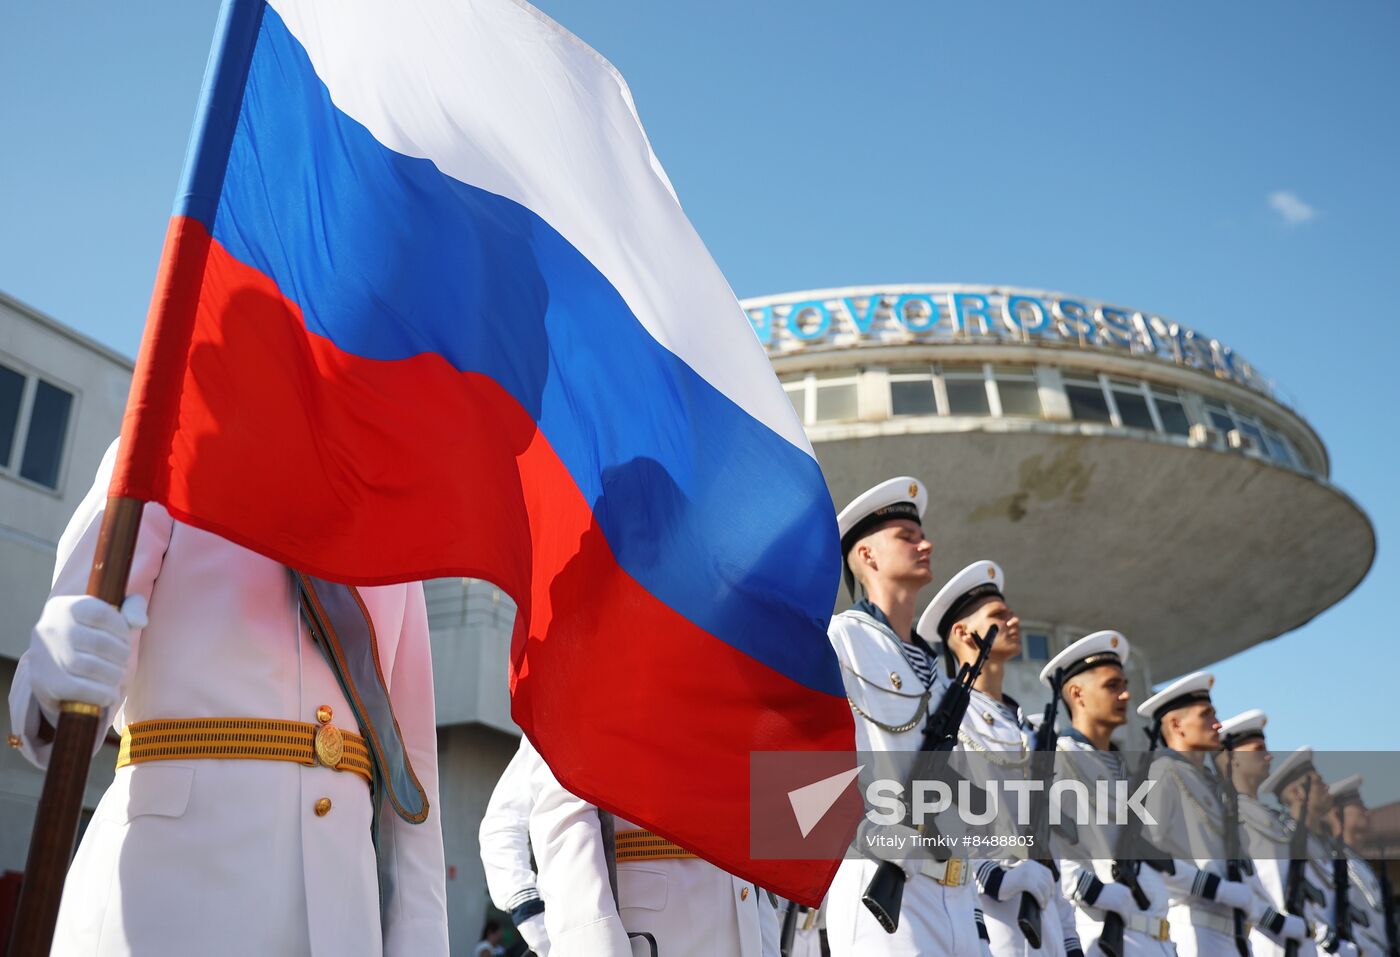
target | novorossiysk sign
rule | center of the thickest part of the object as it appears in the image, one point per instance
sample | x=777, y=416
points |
x=785, y=324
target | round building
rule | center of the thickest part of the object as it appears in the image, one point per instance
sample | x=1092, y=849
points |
x=1126, y=471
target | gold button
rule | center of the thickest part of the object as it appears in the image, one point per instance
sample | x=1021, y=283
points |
x=744, y=894
x=323, y=807
x=324, y=714
x=896, y=680
x=15, y=741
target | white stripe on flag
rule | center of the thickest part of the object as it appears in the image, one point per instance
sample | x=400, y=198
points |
x=499, y=96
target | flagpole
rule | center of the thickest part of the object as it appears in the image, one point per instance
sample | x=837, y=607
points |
x=148, y=427
x=56, y=821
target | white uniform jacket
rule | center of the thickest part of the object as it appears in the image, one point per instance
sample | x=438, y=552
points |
x=504, y=835
x=1367, y=897
x=999, y=746
x=1266, y=840
x=1091, y=765
x=216, y=857
x=890, y=705
x=690, y=906
x=1189, y=815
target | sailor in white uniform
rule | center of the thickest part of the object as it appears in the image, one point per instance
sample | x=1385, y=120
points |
x=1292, y=781
x=266, y=848
x=504, y=840
x=687, y=905
x=892, y=682
x=1246, y=757
x=1367, y=895
x=1094, y=689
x=995, y=731
x=1187, y=806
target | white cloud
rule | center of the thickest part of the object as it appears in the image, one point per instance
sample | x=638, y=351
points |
x=1294, y=211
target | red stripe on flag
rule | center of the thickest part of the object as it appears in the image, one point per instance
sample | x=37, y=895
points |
x=274, y=423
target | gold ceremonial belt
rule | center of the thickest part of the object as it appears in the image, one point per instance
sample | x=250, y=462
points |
x=642, y=845
x=247, y=739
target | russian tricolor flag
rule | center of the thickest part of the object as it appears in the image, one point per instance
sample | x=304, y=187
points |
x=430, y=307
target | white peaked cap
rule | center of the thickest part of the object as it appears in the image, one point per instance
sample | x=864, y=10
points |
x=1243, y=726
x=883, y=502
x=1183, y=691
x=1347, y=789
x=1091, y=651
x=1287, y=771
x=977, y=579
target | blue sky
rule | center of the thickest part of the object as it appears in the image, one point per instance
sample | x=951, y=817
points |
x=1230, y=166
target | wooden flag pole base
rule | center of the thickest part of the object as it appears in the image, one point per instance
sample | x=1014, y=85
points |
x=61, y=802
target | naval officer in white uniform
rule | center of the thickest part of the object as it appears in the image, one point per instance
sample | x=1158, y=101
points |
x=1292, y=780
x=269, y=852
x=1367, y=897
x=688, y=905
x=506, y=859
x=1246, y=757
x=1094, y=688
x=997, y=733
x=892, y=682
x=1190, y=824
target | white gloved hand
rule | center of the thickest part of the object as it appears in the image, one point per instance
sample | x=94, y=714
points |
x=533, y=933
x=896, y=843
x=1236, y=895
x=79, y=650
x=1117, y=898
x=1294, y=928
x=1027, y=877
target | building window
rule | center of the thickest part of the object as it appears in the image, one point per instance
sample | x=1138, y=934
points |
x=1017, y=391
x=966, y=388
x=34, y=417
x=1036, y=647
x=1171, y=412
x=11, y=392
x=796, y=390
x=911, y=391
x=836, y=396
x=1130, y=399
x=1086, y=400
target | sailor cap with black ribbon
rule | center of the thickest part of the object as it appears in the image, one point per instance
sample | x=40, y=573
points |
x=969, y=586
x=1287, y=771
x=1089, y=652
x=1189, y=690
x=1245, y=726
x=1346, y=791
x=898, y=498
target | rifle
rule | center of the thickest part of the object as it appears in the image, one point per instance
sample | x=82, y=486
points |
x=1234, y=868
x=788, y=934
x=1341, y=903
x=1392, y=946
x=885, y=892
x=1028, y=919
x=1296, y=894
x=1126, y=863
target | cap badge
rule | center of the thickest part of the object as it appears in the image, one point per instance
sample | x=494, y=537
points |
x=1211, y=682
x=1113, y=642
x=991, y=571
x=913, y=489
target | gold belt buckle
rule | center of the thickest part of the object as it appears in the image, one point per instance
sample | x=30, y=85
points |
x=952, y=875
x=1164, y=930
x=330, y=745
